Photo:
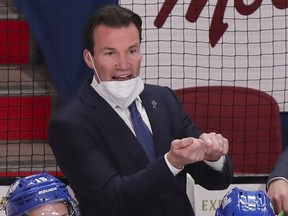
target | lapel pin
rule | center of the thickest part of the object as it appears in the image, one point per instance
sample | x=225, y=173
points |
x=154, y=104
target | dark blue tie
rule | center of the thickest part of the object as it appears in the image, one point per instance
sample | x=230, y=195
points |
x=142, y=132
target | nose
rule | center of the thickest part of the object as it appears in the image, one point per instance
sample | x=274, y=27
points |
x=122, y=62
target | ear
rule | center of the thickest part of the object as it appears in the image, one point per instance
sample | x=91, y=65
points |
x=87, y=58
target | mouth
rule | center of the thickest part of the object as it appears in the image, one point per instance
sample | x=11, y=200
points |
x=122, y=78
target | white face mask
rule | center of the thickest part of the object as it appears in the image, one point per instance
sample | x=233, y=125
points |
x=121, y=93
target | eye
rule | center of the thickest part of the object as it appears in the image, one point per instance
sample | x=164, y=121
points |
x=109, y=53
x=133, y=51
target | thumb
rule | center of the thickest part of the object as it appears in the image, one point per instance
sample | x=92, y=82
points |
x=182, y=143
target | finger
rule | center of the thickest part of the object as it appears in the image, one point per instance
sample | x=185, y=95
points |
x=215, y=142
x=182, y=143
x=285, y=206
x=221, y=140
x=214, y=138
x=277, y=206
x=225, y=145
x=208, y=138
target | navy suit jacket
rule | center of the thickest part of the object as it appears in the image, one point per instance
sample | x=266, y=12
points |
x=108, y=169
x=281, y=167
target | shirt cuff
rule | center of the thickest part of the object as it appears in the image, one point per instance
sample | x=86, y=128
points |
x=217, y=165
x=173, y=169
x=276, y=178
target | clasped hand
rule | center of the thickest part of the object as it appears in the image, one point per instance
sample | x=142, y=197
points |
x=278, y=194
x=209, y=146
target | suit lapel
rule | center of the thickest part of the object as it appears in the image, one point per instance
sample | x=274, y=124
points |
x=154, y=108
x=113, y=123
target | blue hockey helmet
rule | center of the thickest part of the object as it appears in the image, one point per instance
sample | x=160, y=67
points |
x=238, y=202
x=30, y=192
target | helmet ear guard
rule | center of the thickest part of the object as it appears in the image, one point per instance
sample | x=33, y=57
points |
x=33, y=191
x=238, y=202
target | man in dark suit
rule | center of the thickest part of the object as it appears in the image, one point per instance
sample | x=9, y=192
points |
x=99, y=148
x=277, y=184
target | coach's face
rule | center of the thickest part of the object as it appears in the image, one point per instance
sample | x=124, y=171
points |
x=117, y=54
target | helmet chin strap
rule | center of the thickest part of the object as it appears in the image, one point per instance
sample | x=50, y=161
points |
x=95, y=71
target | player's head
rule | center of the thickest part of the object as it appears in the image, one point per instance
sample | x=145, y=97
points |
x=41, y=193
x=238, y=202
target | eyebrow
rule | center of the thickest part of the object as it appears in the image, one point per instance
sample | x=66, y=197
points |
x=130, y=47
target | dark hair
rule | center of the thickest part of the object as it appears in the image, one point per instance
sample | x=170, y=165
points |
x=112, y=16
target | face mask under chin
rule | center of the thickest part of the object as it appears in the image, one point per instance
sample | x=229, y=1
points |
x=121, y=93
